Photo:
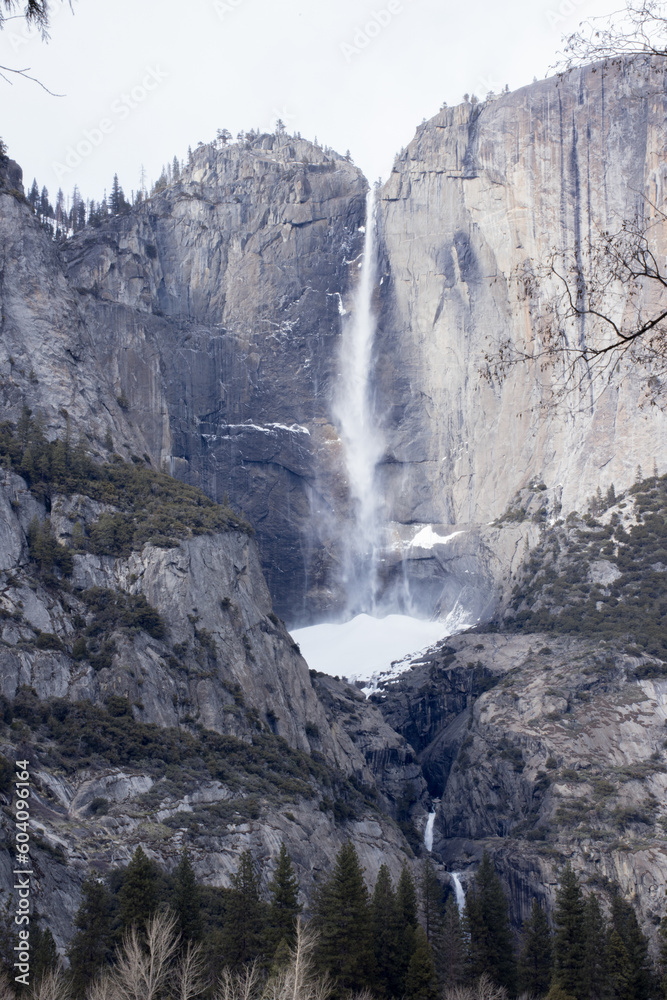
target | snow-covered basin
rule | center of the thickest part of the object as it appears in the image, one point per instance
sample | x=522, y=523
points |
x=370, y=649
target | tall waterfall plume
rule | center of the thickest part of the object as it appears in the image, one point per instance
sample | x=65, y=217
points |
x=362, y=440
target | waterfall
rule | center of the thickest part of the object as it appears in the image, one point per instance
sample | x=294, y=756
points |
x=362, y=441
x=428, y=832
x=458, y=889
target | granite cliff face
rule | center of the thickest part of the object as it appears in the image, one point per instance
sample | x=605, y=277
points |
x=217, y=308
x=481, y=192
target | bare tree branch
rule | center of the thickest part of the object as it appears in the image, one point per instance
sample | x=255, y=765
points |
x=640, y=29
x=189, y=977
x=596, y=310
x=142, y=966
x=25, y=74
x=53, y=985
x=102, y=988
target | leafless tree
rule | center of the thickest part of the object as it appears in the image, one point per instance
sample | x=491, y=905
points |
x=53, y=985
x=102, y=988
x=297, y=980
x=142, y=965
x=596, y=310
x=483, y=989
x=640, y=29
x=245, y=984
x=189, y=976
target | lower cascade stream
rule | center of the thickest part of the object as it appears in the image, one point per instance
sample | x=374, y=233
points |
x=428, y=832
x=458, y=890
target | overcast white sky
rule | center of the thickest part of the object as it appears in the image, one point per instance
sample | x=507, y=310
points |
x=161, y=75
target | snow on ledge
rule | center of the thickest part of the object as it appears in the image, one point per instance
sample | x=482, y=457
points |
x=427, y=538
x=262, y=428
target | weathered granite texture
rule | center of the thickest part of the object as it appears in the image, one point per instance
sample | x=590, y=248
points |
x=481, y=191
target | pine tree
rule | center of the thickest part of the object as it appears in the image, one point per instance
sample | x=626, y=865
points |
x=486, y=919
x=451, y=958
x=45, y=209
x=187, y=901
x=535, y=965
x=115, y=196
x=431, y=900
x=138, y=895
x=342, y=919
x=244, y=919
x=596, y=958
x=662, y=954
x=569, y=940
x=61, y=217
x=420, y=981
x=175, y=169
x=281, y=958
x=44, y=953
x=384, y=929
x=624, y=922
x=406, y=909
x=620, y=970
x=33, y=197
x=284, y=906
x=91, y=945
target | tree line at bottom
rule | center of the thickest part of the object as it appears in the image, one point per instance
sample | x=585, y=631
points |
x=405, y=941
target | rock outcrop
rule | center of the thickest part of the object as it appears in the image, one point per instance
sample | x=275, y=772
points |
x=200, y=333
x=542, y=750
